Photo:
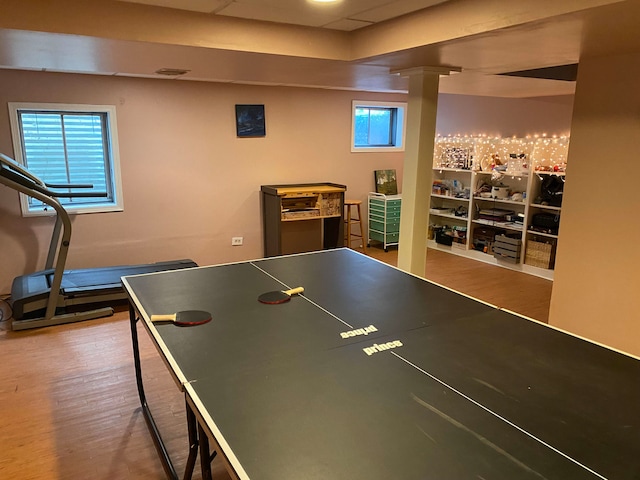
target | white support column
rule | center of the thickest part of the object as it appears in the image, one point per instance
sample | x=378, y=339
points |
x=418, y=165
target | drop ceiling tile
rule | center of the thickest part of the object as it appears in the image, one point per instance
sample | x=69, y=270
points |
x=268, y=13
x=393, y=9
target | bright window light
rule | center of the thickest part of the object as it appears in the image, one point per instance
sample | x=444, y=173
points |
x=377, y=126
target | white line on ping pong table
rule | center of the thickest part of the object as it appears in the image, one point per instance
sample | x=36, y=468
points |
x=307, y=299
x=441, y=382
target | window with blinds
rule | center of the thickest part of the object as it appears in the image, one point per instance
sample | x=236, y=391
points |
x=69, y=145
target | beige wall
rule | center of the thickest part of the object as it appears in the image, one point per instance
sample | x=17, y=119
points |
x=597, y=277
x=190, y=184
x=507, y=117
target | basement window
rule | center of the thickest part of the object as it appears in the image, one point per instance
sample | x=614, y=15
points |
x=378, y=126
x=69, y=144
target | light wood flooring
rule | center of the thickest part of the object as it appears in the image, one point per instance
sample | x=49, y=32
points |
x=519, y=292
x=68, y=402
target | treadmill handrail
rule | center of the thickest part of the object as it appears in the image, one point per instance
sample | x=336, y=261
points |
x=78, y=194
x=11, y=169
x=11, y=165
x=70, y=185
x=15, y=176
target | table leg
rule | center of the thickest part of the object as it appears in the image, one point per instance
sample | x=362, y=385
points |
x=192, y=426
x=151, y=424
x=205, y=456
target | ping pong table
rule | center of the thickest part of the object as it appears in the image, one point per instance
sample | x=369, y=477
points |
x=373, y=373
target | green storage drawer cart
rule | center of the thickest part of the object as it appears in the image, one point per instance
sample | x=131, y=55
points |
x=384, y=219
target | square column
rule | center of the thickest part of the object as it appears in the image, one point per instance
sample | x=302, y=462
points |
x=418, y=165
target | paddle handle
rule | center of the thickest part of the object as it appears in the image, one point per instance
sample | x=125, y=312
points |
x=293, y=291
x=163, y=318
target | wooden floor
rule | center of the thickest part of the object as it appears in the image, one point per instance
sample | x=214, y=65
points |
x=68, y=402
x=519, y=292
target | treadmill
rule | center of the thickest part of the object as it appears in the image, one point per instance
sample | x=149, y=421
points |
x=49, y=297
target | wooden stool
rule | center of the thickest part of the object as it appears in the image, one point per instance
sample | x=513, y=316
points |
x=349, y=221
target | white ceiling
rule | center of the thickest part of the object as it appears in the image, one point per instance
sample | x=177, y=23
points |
x=342, y=15
x=354, y=45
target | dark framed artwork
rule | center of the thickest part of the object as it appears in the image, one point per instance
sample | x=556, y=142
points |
x=250, y=121
x=386, y=182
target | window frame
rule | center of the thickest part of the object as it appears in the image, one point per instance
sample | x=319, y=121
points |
x=399, y=133
x=110, y=138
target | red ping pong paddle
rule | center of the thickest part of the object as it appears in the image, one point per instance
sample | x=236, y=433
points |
x=186, y=318
x=282, y=296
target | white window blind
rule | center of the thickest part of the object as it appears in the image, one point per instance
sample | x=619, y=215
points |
x=63, y=146
x=67, y=148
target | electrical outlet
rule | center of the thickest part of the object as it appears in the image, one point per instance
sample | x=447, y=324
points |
x=236, y=241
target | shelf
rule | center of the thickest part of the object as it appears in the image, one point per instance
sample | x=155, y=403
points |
x=449, y=215
x=545, y=207
x=499, y=200
x=508, y=174
x=545, y=172
x=548, y=235
x=506, y=225
x=311, y=217
x=446, y=169
x=449, y=197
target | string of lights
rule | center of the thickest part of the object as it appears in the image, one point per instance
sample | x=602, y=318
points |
x=518, y=154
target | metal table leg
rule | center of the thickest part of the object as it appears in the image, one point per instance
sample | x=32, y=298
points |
x=205, y=456
x=151, y=424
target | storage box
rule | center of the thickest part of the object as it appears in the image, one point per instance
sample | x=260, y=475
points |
x=540, y=254
x=443, y=238
x=393, y=237
x=510, y=256
x=494, y=214
x=379, y=224
x=507, y=248
x=484, y=238
x=509, y=242
x=441, y=210
x=546, y=223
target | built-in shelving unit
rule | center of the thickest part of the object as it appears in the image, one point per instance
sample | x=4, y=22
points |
x=490, y=188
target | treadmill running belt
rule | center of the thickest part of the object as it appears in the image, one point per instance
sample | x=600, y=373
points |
x=110, y=276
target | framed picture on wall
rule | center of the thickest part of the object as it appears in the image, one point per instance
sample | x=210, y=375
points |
x=250, y=121
x=386, y=182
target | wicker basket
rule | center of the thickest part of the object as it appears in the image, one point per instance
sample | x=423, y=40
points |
x=539, y=254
